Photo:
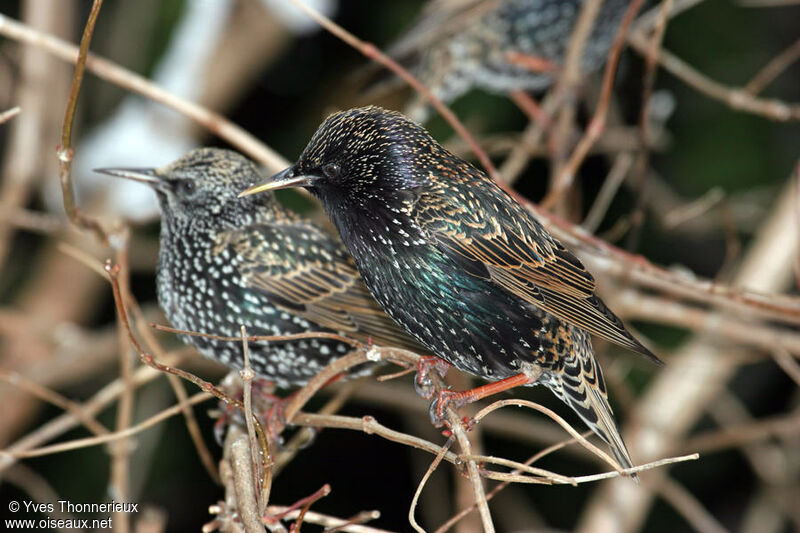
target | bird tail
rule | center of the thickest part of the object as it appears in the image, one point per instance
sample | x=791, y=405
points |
x=580, y=385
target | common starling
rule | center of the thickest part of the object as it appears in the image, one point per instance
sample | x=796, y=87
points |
x=460, y=264
x=456, y=45
x=226, y=261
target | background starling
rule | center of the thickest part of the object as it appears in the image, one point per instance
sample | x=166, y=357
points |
x=456, y=45
x=225, y=262
x=459, y=263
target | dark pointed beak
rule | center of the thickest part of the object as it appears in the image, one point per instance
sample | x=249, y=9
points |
x=281, y=180
x=142, y=175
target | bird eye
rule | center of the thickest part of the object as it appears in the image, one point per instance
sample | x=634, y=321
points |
x=331, y=170
x=185, y=187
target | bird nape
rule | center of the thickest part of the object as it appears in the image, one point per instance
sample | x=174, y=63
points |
x=226, y=261
x=459, y=264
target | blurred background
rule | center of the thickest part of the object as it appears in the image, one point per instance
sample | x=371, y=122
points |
x=718, y=181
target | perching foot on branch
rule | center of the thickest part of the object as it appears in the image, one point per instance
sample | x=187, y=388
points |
x=445, y=398
x=423, y=384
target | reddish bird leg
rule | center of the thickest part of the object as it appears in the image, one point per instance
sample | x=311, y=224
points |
x=456, y=399
x=273, y=418
x=423, y=383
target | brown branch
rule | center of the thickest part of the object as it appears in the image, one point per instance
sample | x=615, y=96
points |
x=260, y=469
x=785, y=426
x=109, y=437
x=604, y=258
x=734, y=97
x=596, y=125
x=773, y=69
x=688, y=507
x=643, y=159
x=370, y=51
x=622, y=165
x=92, y=407
x=566, y=87
x=335, y=524
x=636, y=305
x=434, y=465
x=52, y=397
x=560, y=421
x=244, y=484
x=122, y=77
x=64, y=150
x=8, y=114
x=121, y=451
x=180, y=392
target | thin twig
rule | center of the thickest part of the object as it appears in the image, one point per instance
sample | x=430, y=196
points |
x=372, y=52
x=596, y=125
x=636, y=305
x=54, y=398
x=688, y=506
x=91, y=407
x=560, y=421
x=643, y=159
x=109, y=437
x=121, y=451
x=565, y=90
x=8, y=114
x=113, y=73
x=64, y=150
x=785, y=426
x=787, y=363
x=177, y=387
x=244, y=484
x=773, y=69
x=434, y=465
x=733, y=97
x=313, y=517
x=262, y=464
x=622, y=165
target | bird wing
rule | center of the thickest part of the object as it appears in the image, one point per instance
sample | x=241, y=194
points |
x=304, y=271
x=488, y=234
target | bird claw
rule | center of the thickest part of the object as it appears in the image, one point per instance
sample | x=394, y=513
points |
x=444, y=399
x=423, y=384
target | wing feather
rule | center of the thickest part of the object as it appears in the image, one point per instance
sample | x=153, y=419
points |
x=484, y=230
x=306, y=272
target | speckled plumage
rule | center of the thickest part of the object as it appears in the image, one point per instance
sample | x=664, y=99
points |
x=459, y=263
x=456, y=45
x=226, y=261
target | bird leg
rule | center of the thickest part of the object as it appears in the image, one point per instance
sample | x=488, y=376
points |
x=263, y=388
x=270, y=409
x=422, y=382
x=274, y=418
x=445, y=398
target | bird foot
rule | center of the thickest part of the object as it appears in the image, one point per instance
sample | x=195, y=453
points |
x=423, y=384
x=268, y=407
x=444, y=399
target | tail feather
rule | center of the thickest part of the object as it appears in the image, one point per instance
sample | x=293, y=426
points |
x=580, y=385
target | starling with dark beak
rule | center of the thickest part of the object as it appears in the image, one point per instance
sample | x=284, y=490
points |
x=226, y=261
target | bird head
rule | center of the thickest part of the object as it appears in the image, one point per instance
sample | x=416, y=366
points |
x=204, y=182
x=357, y=156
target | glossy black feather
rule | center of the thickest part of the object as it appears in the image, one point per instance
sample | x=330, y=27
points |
x=459, y=263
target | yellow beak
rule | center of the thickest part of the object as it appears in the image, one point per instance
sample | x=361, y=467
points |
x=281, y=180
